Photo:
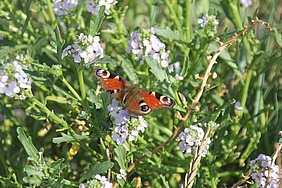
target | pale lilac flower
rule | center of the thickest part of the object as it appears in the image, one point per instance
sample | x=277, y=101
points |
x=152, y=30
x=61, y=7
x=133, y=42
x=17, y=80
x=82, y=186
x=203, y=21
x=86, y=47
x=238, y=106
x=122, y=174
x=261, y=169
x=121, y=134
x=66, y=51
x=192, y=138
x=208, y=20
x=280, y=141
x=92, y=7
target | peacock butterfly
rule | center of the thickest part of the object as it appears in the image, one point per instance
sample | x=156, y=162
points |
x=137, y=101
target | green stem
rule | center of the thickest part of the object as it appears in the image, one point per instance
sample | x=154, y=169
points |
x=188, y=22
x=71, y=88
x=50, y=114
x=246, y=88
x=173, y=15
x=119, y=25
x=82, y=86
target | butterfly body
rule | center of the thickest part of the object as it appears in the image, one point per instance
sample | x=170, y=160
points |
x=137, y=101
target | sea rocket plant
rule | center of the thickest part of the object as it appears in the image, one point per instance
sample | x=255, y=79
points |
x=13, y=80
x=86, y=48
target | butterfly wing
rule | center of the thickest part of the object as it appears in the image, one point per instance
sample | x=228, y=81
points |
x=112, y=82
x=155, y=100
x=146, y=101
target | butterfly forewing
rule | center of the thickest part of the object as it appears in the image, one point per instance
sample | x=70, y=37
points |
x=156, y=101
x=110, y=81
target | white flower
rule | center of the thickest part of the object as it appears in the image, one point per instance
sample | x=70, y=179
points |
x=143, y=124
x=88, y=54
x=122, y=174
x=246, y=3
x=133, y=135
x=154, y=44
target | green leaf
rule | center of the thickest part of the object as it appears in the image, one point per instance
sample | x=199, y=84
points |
x=154, y=14
x=32, y=180
x=146, y=152
x=278, y=37
x=128, y=68
x=217, y=111
x=165, y=182
x=99, y=168
x=96, y=24
x=102, y=60
x=167, y=33
x=93, y=98
x=57, y=166
x=28, y=145
x=33, y=171
x=69, y=138
x=156, y=69
x=120, y=156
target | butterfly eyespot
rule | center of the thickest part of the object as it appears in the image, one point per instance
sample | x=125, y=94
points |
x=144, y=107
x=166, y=101
x=113, y=91
x=103, y=73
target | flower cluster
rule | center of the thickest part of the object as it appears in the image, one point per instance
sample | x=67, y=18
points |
x=61, y=7
x=13, y=79
x=209, y=23
x=263, y=172
x=103, y=181
x=146, y=44
x=208, y=20
x=192, y=138
x=86, y=47
x=122, y=117
x=94, y=6
x=175, y=66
